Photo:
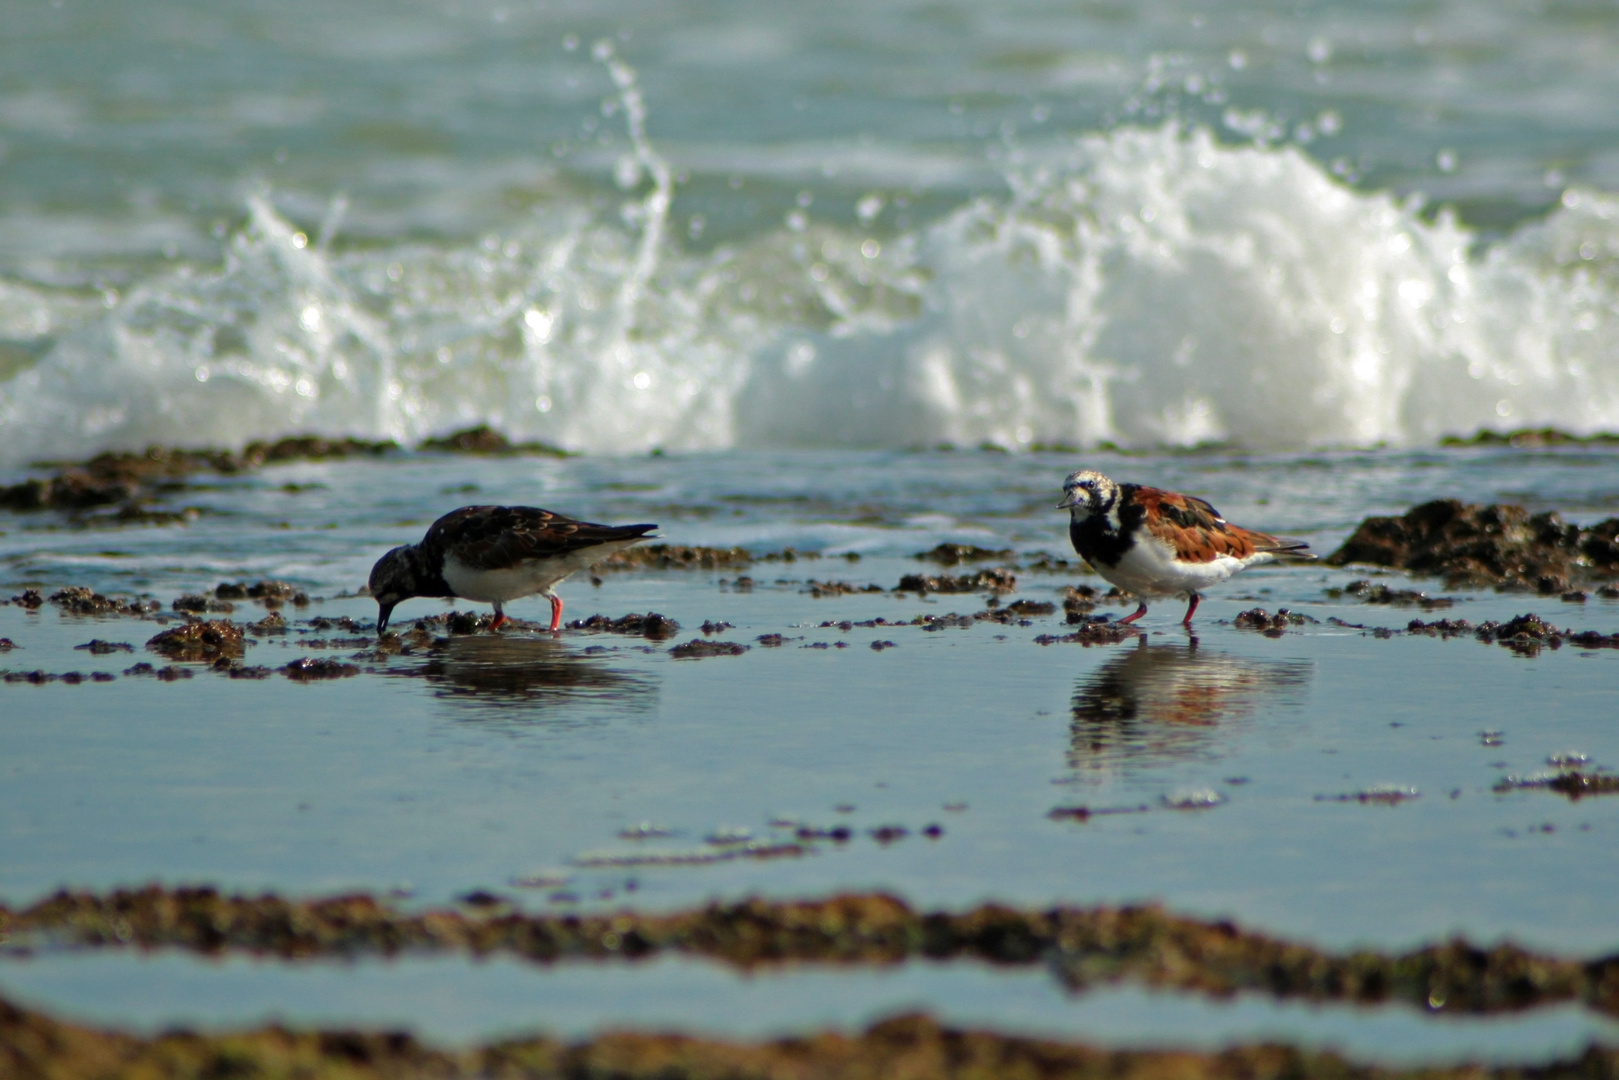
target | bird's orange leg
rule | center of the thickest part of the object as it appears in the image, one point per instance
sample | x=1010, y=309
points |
x=556, y=613
x=500, y=619
x=1187, y=622
x=1140, y=611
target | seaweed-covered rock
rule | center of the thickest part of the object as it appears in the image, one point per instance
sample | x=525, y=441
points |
x=486, y=440
x=675, y=557
x=1440, y=628
x=1094, y=632
x=956, y=554
x=98, y=647
x=78, y=600
x=651, y=625
x=1571, y=782
x=1268, y=624
x=997, y=579
x=821, y=589
x=1529, y=438
x=309, y=669
x=697, y=648
x=1485, y=545
x=72, y=490
x=1379, y=593
x=273, y=623
x=200, y=640
x=125, y=478
x=306, y=448
x=197, y=605
x=278, y=590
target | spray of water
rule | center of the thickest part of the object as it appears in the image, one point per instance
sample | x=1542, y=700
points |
x=1147, y=287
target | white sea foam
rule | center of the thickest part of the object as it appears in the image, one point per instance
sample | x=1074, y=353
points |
x=1146, y=287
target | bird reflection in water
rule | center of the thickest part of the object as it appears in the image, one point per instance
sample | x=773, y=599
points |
x=1158, y=703
x=527, y=673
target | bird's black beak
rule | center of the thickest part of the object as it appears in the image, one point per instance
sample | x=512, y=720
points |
x=383, y=611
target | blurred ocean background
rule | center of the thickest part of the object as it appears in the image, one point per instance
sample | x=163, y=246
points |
x=706, y=224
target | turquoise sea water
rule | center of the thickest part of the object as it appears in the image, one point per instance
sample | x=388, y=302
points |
x=706, y=225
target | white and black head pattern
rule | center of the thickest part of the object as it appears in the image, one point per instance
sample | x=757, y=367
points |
x=1087, y=493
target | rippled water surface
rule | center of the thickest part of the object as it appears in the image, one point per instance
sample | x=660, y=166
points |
x=491, y=760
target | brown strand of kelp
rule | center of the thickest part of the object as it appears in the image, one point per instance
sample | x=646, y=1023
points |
x=1083, y=946
x=36, y=1047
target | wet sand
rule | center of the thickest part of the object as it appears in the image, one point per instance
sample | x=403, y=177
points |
x=1340, y=760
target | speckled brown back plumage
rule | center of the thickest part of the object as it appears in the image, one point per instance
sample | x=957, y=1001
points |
x=1195, y=529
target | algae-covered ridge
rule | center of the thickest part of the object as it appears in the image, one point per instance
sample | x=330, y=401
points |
x=119, y=486
x=35, y=1047
x=1083, y=947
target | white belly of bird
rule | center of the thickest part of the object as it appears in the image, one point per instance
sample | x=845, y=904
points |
x=1150, y=569
x=526, y=578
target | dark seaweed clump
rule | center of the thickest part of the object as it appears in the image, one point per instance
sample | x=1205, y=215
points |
x=78, y=600
x=1094, y=632
x=1523, y=634
x=486, y=440
x=200, y=640
x=1572, y=783
x=697, y=649
x=1382, y=594
x=1530, y=438
x=272, y=594
x=98, y=647
x=822, y=589
x=130, y=481
x=956, y=554
x=1017, y=613
x=676, y=557
x=996, y=580
x=310, y=669
x=1266, y=623
x=1470, y=545
x=652, y=625
x=119, y=487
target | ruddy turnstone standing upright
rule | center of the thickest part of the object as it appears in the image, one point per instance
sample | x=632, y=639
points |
x=1160, y=543
x=494, y=554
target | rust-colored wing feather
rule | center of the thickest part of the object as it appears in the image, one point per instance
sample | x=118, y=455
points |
x=1197, y=532
x=496, y=537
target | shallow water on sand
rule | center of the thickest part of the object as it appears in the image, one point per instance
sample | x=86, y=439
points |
x=588, y=771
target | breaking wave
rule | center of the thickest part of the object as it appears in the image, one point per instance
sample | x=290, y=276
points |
x=1146, y=287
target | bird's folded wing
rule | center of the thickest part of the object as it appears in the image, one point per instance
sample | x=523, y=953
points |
x=1198, y=534
x=497, y=537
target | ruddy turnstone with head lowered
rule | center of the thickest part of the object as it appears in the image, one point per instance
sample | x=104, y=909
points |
x=1160, y=543
x=494, y=554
